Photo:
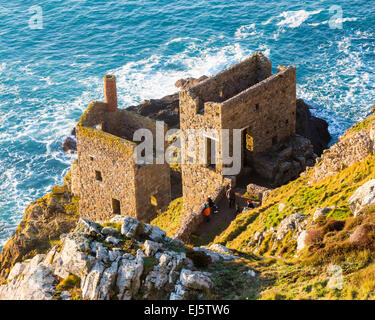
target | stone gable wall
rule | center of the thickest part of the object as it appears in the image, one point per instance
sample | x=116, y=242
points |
x=152, y=181
x=268, y=108
x=117, y=169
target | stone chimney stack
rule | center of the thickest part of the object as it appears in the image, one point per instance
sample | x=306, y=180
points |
x=110, y=92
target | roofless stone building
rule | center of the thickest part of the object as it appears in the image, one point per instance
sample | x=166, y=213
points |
x=106, y=177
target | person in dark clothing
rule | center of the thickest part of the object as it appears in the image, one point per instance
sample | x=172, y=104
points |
x=212, y=205
x=231, y=196
x=238, y=209
x=250, y=204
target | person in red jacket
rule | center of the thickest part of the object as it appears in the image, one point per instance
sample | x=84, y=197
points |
x=206, y=212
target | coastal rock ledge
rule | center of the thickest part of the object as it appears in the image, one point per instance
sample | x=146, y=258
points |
x=121, y=259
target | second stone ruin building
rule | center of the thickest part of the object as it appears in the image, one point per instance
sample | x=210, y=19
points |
x=246, y=96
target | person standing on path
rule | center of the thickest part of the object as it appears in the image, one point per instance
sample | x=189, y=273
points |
x=231, y=196
x=206, y=212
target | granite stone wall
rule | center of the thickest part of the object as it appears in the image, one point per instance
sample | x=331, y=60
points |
x=106, y=178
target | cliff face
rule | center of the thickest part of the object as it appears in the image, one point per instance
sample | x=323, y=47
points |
x=44, y=221
x=312, y=128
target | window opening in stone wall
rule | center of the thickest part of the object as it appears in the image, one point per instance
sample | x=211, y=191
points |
x=154, y=201
x=98, y=176
x=116, y=206
x=211, y=153
x=247, y=146
x=257, y=107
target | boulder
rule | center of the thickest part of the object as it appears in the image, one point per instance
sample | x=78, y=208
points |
x=294, y=222
x=195, y=280
x=90, y=284
x=364, y=234
x=30, y=281
x=151, y=247
x=301, y=241
x=128, y=277
x=363, y=197
x=73, y=258
x=107, y=282
x=322, y=212
x=157, y=234
x=129, y=227
x=108, y=231
x=112, y=240
x=69, y=145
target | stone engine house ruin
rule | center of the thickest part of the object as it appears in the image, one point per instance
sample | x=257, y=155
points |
x=246, y=96
x=106, y=177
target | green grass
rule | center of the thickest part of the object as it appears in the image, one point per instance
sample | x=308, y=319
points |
x=300, y=196
x=170, y=220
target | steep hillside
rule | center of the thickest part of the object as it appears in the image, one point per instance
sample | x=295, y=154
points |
x=318, y=231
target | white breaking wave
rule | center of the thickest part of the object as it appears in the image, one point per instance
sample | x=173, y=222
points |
x=150, y=78
x=245, y=31
x=336, y=21
x=294, y=19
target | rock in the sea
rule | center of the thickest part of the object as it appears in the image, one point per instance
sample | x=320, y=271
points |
x=312, y=128
x=188, y=83
x=363, y=197
x=69, y=145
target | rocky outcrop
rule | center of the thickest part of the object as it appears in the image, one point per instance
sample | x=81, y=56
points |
x=350, y=148
x=295, y=222
x=167, y=108
x=257, y=191
x=143, y=264
x=44, y=220
x=362, y=198
x=312, y=128
x=321, y=212
x=285, y=161
x=69, y=145
x=188, y=83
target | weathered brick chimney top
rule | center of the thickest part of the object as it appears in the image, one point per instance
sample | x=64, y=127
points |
x=110, y=92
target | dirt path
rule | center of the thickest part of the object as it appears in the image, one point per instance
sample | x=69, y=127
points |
x=219, y=221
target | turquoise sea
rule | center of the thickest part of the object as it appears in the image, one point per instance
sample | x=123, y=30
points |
x=50, y=71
